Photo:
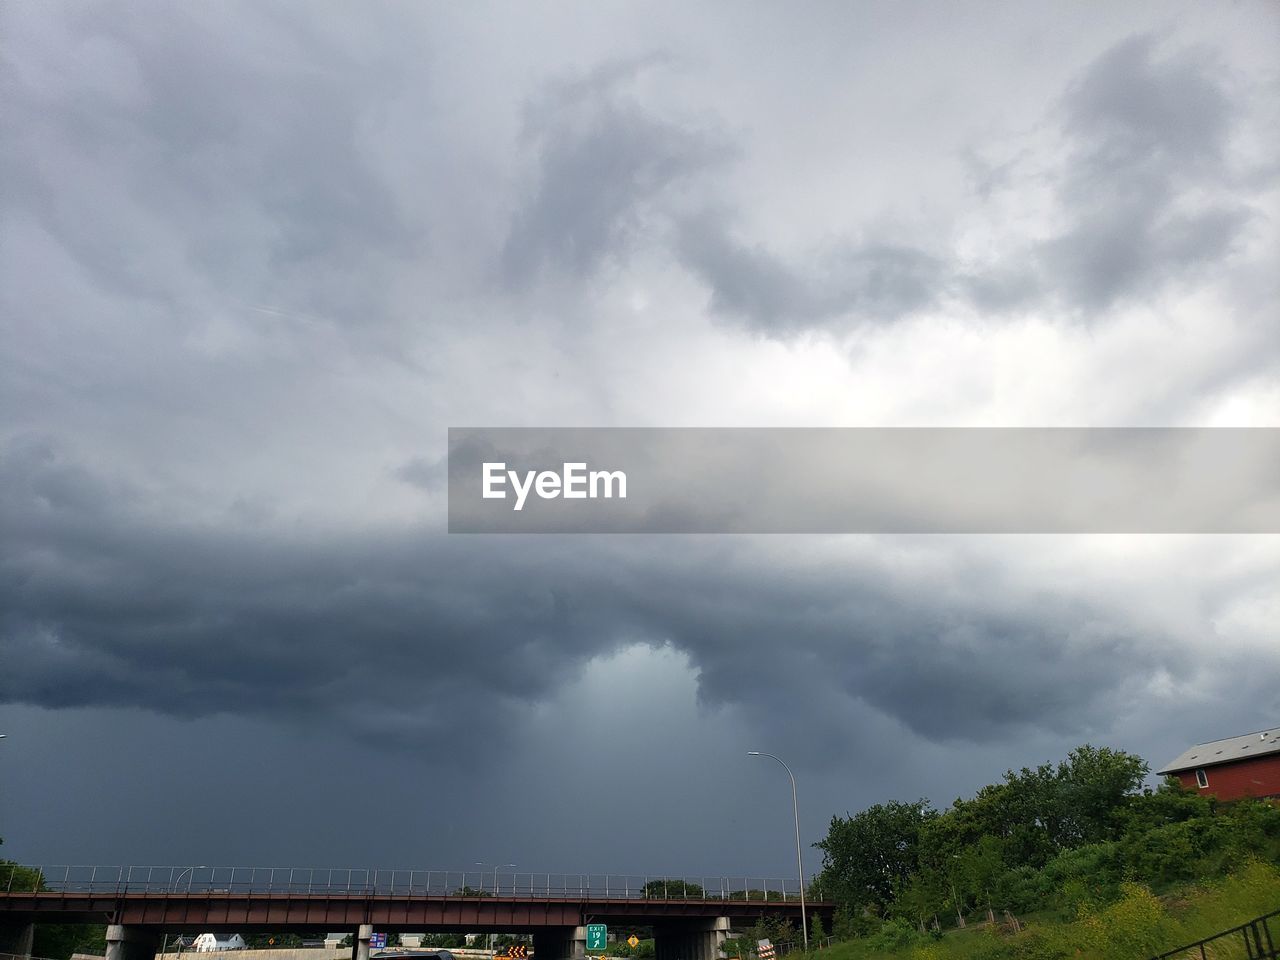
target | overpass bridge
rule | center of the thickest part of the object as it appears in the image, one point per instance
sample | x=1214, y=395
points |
x=691, y=916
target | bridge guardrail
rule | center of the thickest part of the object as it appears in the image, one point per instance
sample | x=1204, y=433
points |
x=62, y=878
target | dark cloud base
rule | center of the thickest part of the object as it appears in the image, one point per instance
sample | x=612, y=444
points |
x=391, y=637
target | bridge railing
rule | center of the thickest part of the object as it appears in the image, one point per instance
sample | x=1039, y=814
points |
x=361, y=881
x=1258, y=939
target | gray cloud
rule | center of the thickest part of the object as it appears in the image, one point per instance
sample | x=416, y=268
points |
x=602, y=159
x=874, y=282
x=181, y=157
x=392, y=637
x=1147, y=191
x=254, y=260
x=1147, y=132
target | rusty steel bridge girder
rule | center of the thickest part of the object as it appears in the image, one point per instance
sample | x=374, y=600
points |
x=213, y=910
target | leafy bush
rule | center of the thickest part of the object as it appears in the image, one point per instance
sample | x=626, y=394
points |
x=895, y=933
x=1086, y=875
x=1135, y=926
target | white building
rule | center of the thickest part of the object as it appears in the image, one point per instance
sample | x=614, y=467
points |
x=218, y=942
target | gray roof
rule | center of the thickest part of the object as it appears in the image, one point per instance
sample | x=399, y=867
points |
x=1261, y=742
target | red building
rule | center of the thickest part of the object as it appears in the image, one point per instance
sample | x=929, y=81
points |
x=1247, y=766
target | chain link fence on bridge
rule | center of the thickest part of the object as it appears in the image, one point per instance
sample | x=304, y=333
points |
x=362, y=881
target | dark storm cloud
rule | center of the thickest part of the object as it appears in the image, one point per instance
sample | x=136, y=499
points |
x=394, y=637
x=602, y=158
x=102, y=605
x=945, y=666
x=221, y=540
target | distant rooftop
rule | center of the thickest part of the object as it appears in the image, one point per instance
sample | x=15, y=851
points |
x=1260, y=742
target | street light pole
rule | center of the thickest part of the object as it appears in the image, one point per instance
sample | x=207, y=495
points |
x=190, y=870
x=495, y=875
x=795, y=810
x=496, y=866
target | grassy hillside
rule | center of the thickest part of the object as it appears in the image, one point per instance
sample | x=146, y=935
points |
x=1134, y=926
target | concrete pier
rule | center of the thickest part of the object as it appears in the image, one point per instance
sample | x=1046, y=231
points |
x=360, y=942
x=131, y=943
x=560, y=943
x=696, y=940
x=16, y=937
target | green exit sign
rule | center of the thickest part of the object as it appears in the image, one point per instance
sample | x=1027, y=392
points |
x=597, y=935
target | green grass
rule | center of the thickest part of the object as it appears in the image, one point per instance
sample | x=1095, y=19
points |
x=1134, y=927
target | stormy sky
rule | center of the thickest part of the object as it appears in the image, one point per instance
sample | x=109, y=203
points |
x=257, y=258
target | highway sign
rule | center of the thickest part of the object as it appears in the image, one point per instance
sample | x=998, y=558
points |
x=377, y=941
x=633, y=941
x=597, y=935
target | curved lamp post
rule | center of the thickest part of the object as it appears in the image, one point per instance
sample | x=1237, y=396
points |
x=188, y=873
x=496, y=868
x=795, y=809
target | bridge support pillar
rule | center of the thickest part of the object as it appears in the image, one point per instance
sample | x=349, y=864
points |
x=719, y=934
x=691, y=941
x=560, y=943
x=360, y=942
x=131, y=943
x=16, y=938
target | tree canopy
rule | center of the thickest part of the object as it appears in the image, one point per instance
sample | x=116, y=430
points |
x=912, y=860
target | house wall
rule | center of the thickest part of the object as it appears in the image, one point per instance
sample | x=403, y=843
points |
x=1255, y=777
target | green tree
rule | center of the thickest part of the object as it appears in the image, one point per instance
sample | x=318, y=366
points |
x=924, y=894
x=773, y=929
x=14, y=876
x=849, y=923
x=1037, y=813
x=444, y=940
x=666, y=889
x=1098, y=785
x=867, y=856
x=816, y=930
x=976, y=871
x=60, y=940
